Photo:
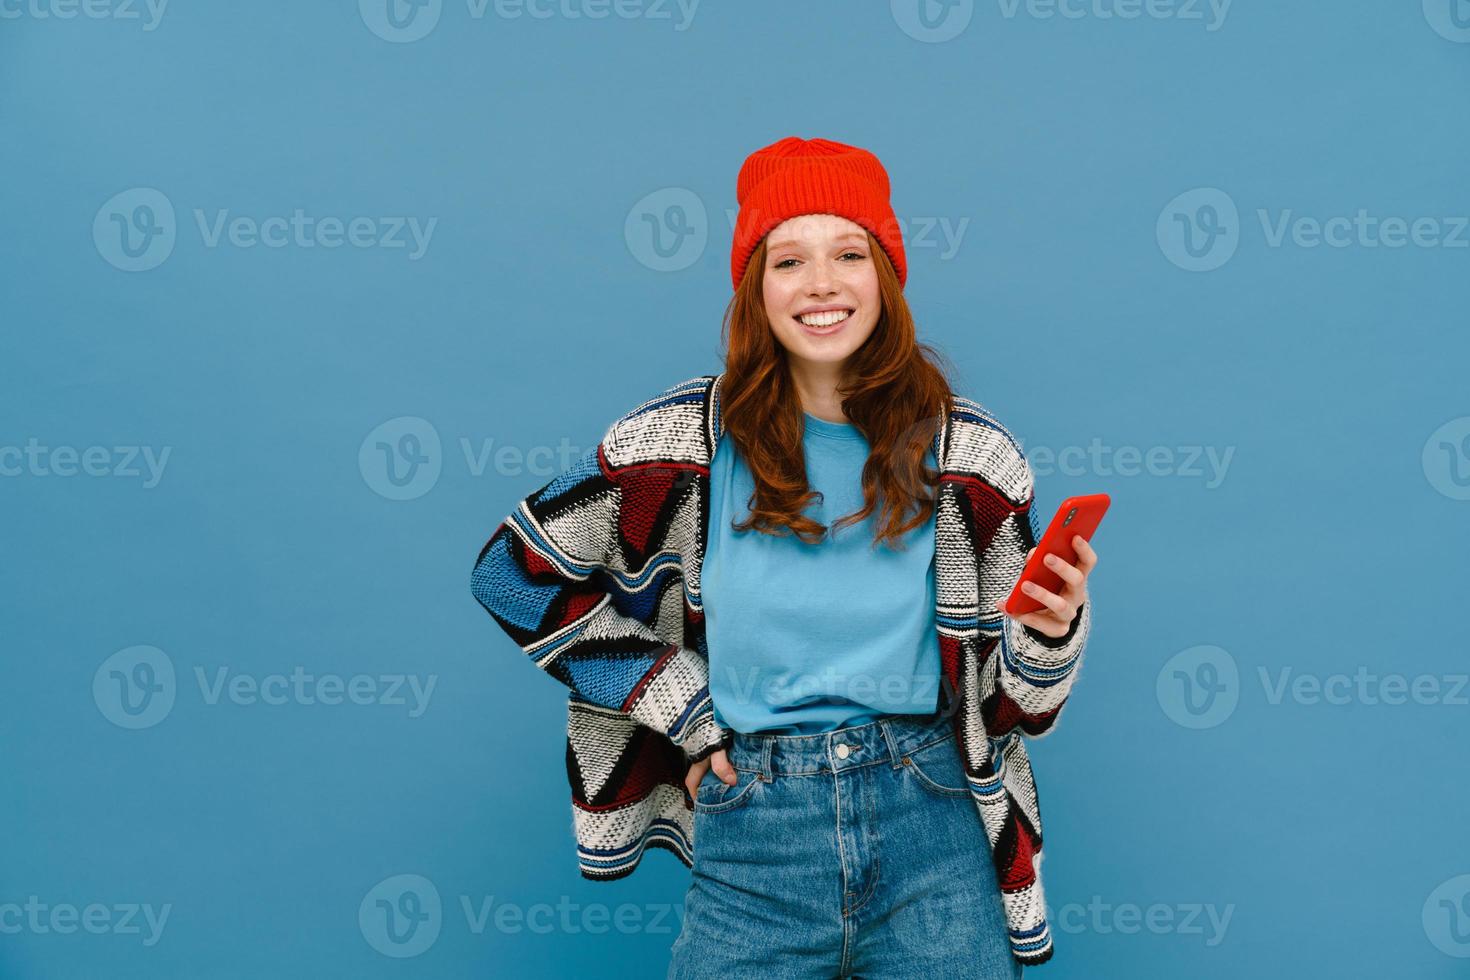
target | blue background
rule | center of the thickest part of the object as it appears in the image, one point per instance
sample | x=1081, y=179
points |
x=1333, y=835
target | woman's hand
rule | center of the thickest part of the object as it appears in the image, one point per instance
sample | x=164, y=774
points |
x=1056, y=618
x=723, y=769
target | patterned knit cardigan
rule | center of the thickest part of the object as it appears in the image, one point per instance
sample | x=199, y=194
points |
x=596, y=576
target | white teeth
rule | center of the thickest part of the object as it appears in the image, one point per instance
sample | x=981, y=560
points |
x=825, y=319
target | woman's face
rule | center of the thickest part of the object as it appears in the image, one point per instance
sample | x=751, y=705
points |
x=821, y=288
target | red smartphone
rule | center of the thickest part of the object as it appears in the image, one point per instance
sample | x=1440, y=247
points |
x=1076, y=515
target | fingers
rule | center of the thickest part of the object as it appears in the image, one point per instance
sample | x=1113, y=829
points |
x=1068, y=572
x=1048, y=598
x=1086, y=556
x=696, y=773
x=723, y=769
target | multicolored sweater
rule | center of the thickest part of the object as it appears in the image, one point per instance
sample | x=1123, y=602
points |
x=596, y=577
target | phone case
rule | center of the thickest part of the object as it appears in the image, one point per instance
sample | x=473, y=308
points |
x=1076, y=515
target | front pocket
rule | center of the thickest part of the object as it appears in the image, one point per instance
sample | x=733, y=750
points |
x=714, y=795
x=938, y=768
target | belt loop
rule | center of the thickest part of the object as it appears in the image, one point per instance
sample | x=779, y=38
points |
x=893, y=751
x=765, y=764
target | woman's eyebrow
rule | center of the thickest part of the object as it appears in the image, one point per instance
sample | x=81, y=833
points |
x=847, y=239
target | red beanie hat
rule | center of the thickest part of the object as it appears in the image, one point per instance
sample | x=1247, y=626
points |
x=795, y=176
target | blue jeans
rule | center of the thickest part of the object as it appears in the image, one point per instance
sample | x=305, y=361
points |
x=853, y=853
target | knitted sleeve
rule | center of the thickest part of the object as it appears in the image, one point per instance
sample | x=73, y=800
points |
x=1034, y=673
x=552, y=576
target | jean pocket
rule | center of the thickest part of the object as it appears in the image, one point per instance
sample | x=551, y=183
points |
x=714, y=795
x=938, y=768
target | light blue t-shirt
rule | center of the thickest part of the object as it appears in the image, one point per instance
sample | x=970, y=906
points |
x=806, y=638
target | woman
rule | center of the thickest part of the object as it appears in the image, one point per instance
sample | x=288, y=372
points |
x=778, y=589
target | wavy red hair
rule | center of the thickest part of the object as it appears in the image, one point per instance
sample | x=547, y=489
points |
x=894, y=390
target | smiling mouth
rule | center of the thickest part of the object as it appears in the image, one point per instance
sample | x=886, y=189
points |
x=828, y=318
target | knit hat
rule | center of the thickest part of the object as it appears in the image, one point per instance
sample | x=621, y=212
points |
x=794, y=176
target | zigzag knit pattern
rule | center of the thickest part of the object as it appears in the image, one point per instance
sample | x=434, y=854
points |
x=596, y=577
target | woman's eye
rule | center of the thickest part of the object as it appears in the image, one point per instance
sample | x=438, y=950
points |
x=783, y=263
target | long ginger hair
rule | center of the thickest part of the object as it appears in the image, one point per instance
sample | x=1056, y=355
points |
x=893, y=390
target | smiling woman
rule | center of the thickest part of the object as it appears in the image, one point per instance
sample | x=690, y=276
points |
x=775, y=594
x=838, y=252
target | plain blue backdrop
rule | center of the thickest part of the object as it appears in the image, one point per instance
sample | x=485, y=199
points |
x=254, y=431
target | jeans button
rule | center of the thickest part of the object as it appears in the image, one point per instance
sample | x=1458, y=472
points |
x=843, y=751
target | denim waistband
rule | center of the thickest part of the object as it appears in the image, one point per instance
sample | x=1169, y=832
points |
x=887, y=739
